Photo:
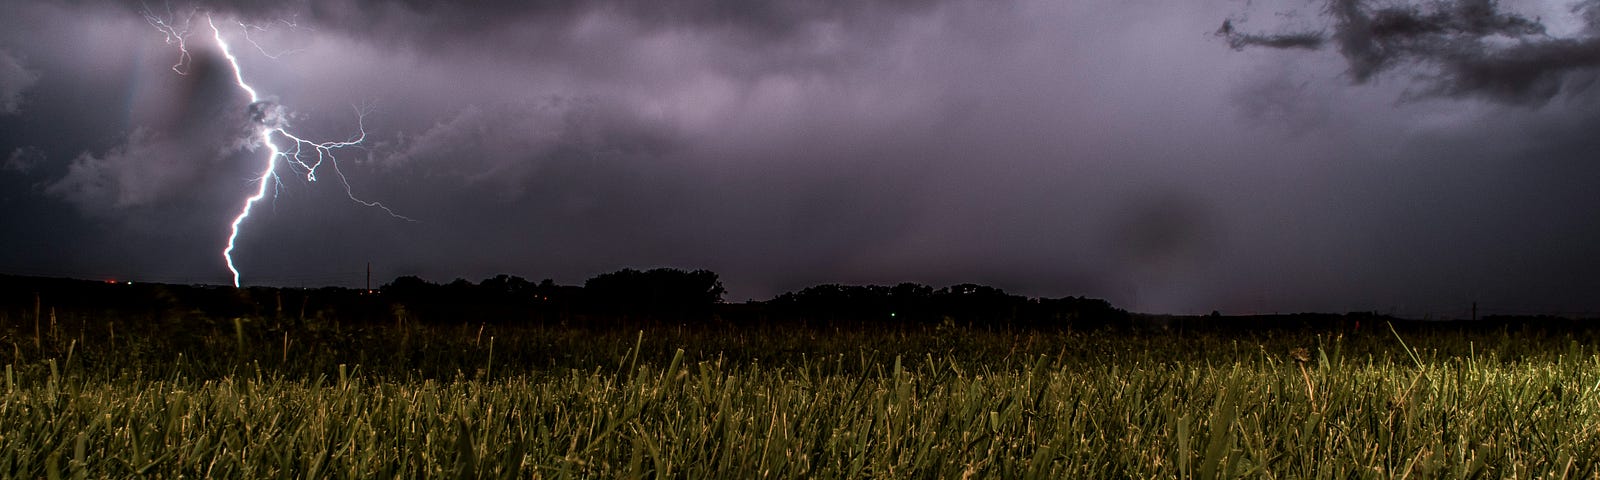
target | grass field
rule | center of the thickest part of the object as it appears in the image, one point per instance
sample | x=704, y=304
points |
x=85, y=397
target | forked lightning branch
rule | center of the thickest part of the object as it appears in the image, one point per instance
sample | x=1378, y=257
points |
x=303, y=156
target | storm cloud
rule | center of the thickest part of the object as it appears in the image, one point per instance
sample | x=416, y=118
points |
x=1473, y=47
x=14, y=79
x=1109, y=149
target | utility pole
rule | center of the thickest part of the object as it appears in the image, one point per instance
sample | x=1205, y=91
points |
x=1474, y=311
x=369, y=278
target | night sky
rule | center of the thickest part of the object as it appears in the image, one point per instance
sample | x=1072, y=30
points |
x=1169, y=156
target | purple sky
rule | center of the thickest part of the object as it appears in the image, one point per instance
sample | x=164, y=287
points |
x=1313, y=156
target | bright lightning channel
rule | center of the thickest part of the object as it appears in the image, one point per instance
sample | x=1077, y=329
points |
x=273, y=123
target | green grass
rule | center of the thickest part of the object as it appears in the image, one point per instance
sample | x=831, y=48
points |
x=225, y=399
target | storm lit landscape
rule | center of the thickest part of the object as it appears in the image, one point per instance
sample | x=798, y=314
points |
x=800, y=239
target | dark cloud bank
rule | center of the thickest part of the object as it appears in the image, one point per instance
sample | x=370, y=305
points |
x=1474, y=47
x=1110, y=149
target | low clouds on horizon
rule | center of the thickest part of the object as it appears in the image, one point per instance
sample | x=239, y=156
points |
x=1351, y=157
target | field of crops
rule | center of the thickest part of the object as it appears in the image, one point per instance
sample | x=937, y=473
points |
x=87, y=397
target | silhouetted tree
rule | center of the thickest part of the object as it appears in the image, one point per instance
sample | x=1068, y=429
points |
x=409, y=286
x=661, y=291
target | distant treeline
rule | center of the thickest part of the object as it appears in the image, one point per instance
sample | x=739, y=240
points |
x=631, y=297
x=672, y=295
x=661, y=295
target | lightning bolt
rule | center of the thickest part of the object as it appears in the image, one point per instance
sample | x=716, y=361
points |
x=302, y=156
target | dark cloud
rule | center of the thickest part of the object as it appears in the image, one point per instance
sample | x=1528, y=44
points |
x=1473, y=46
x=15, y=78
x=174, y=146
x=1524, y=73
x=148, y=168
x=1239, y=41
x=23, y=159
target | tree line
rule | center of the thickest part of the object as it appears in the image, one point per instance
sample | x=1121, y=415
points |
x=635, y=298
x=660, y=295
x=666, y=294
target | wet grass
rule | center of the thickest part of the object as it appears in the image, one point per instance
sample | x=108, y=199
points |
x=256, y=399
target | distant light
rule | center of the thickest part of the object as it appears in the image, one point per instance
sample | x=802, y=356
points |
x=130, y=282
x=891, y=314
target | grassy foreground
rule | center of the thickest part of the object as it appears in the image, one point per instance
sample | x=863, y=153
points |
x=939, y=402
